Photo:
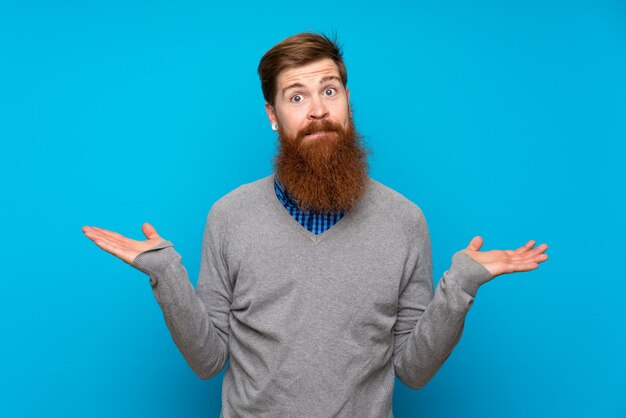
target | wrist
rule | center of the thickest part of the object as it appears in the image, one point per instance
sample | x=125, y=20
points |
x=469, y=273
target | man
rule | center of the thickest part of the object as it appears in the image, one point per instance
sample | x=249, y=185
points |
x=315, y=282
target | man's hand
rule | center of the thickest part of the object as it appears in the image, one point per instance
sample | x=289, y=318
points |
x=507, y=261
x=124, y=248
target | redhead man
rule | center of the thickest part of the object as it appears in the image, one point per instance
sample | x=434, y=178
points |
x=316, y=281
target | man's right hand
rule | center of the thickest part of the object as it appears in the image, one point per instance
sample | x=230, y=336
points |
x=124, y=248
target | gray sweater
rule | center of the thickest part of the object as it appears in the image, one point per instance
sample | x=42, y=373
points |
x=313, y=325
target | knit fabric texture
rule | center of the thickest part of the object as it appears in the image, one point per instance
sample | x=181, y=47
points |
x=307, y=338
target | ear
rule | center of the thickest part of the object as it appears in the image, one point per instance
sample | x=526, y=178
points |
x=348, y=93
x=271, y=114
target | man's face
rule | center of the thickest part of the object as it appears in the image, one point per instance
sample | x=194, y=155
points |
x=309, y=96
x=321, y=161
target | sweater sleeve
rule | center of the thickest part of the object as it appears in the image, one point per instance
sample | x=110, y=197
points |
x=197, y=319
x=429, y=324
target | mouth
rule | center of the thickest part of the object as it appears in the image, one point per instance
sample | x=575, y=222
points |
x=318, y=134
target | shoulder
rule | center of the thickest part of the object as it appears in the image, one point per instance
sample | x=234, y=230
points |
x=246, y=198
x=395, y=205
x=389, y=199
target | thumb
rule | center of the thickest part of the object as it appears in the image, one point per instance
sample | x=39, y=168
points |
x=475, y=243
x=149, y=231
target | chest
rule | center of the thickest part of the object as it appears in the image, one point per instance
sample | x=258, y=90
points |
x=341, y=283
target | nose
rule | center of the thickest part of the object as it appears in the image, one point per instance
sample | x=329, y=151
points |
x=318, y=109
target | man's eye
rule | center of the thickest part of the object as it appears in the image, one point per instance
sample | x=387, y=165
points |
x=297, y=98
x=330, y=92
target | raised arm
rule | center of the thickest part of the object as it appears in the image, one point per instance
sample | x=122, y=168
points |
x=197, y=319
x=429, y=325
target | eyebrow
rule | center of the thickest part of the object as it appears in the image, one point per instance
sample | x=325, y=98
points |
x=322, y=81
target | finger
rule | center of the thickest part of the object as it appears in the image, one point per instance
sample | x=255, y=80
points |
x=538, y=250
x=533, y=258
x=113, y=236
x=93, y=234
x=99, y=238
x=107, y=240
x=526, y=246
x=475, y=243
x=526, y=266
x=109, y=233
x=149, y=231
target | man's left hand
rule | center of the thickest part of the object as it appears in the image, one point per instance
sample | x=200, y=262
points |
x=499, y=262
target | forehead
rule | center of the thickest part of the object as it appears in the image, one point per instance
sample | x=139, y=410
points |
x=309, y=73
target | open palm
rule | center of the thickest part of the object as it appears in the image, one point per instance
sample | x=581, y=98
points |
x=124, y=248
x=507, y=261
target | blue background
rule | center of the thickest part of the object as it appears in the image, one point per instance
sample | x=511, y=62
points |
x=504, y=119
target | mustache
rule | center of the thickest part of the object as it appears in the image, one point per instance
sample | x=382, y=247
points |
x=321, y=126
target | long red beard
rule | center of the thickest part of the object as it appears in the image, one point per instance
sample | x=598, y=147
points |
x=326, y=174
